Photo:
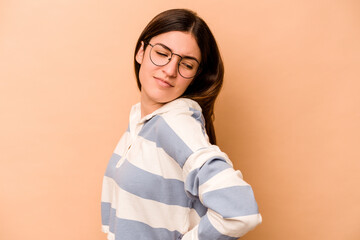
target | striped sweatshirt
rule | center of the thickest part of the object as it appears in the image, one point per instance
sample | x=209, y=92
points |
x=165, y=181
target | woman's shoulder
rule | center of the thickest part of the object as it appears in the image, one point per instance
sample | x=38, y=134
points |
x=178, y=121
x=178, y=114
x=178, y=129
x=186, y=121
x=184, y=113
x=183, y=108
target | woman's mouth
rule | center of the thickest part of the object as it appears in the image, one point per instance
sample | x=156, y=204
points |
x=163, y=83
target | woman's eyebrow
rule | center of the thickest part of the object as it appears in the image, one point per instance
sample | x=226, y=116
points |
x=183, y=56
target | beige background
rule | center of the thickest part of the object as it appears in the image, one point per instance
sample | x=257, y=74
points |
x=288, y=115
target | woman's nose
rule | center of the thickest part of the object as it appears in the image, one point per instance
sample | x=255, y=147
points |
x=171, y=69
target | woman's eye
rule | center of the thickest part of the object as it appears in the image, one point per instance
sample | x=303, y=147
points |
x=162, y=54
x=187, y=65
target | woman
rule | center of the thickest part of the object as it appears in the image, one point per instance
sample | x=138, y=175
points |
x=166, y=179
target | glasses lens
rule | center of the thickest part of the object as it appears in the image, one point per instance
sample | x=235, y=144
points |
x=188, y=67
x=159, y=55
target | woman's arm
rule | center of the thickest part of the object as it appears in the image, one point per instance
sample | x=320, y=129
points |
x=232, y=209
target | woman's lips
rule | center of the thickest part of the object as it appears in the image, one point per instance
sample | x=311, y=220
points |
x=162, y=82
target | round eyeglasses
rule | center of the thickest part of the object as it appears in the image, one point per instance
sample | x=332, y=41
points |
x=160, y=55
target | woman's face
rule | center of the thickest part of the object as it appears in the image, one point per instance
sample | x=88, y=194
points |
x=162, y=84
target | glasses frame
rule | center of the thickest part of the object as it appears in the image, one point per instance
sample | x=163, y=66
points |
x=172, y=54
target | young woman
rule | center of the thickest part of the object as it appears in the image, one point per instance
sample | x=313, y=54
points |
x=166, y=178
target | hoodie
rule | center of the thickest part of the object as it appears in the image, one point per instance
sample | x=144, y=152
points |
x=166, y=181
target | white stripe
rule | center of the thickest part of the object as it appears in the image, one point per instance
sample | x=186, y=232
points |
x=191, y=235
x=226, y=178
x=105, y=228
x=107, y=189
x=194, y=219
x=122, y=144
x=233, y=227
x=132, y=207
x=110, y=235
x=160, y=162
x=198, y=158
x=192, y=134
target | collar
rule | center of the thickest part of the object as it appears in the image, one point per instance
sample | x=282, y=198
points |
x=185, y=103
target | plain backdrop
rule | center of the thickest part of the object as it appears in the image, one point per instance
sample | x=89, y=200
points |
x=288, y=115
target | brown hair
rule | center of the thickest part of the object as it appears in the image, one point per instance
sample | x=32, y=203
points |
x=206, y=85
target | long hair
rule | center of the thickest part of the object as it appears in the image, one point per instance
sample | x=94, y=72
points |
x=206, y=85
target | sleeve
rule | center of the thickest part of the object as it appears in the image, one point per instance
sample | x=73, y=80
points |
x=232, y=209
x=209, y=176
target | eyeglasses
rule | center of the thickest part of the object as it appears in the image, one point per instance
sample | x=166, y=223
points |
x=160, y=55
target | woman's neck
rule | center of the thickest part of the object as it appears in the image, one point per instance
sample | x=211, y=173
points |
x=148, y=106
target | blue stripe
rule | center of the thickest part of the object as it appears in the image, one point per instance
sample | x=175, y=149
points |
x=150, y=186
x=112, y=165
x=211, y=168
x=200, y=175
x=207, y=231
x=105, y=213
x=199, y=208
x=125, y=229
x=199, y=117
x=232, y=201
x=158, y=131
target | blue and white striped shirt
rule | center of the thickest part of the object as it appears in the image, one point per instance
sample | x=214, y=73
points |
x=166, y=181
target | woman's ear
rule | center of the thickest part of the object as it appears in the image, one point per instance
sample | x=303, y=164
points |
x=140, y=54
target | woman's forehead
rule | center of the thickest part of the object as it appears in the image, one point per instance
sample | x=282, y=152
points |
x=182, y=43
